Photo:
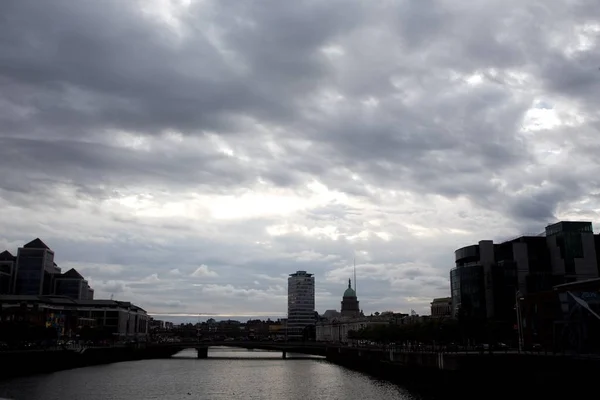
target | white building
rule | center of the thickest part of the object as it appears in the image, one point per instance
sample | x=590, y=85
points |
x=301, y=303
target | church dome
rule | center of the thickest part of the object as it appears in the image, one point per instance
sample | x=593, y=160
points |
x=349, y=292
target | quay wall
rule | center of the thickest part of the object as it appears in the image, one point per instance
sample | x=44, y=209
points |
x=478, y=376
x=23, y=363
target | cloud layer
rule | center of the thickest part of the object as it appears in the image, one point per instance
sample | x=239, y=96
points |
x=188, y=155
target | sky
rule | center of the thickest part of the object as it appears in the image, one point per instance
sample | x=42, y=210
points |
x=188, y=155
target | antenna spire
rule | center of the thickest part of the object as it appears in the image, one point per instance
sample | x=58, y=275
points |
x=355, y=276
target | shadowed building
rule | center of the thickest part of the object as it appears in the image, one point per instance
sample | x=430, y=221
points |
x=441, y=307
x=350, y=308
x=73, y=285
x=7, y=268
x=488, y=276
x=35, y=270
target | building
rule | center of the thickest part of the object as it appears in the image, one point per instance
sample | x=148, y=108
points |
x=33, y=272
x=441, y=307
x=301, y=303
x=564, y=319
x=572, y=250
x=487, y=276
x=350, y=308
x=35, y=269
x=73, y=285
x=112, y=319
x=7, y=267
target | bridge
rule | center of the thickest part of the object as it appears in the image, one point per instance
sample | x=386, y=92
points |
x=308, y=348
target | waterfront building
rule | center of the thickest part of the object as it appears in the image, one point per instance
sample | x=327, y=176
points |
x=487, y=276
x=73, y=285
x=115, y=319
x=33, y=272
x=35, y=269
x=563, y=319
x=301, y=303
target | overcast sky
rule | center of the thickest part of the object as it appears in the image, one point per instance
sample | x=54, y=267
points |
x=189, y=155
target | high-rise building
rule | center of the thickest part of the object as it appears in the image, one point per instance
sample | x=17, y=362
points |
x=301, y=303
x=35, y=270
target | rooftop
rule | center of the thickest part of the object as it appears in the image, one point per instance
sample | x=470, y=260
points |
x=6, y=256
x=36, y=244
x=66, y=301
x=301, y=273
x=72, y=273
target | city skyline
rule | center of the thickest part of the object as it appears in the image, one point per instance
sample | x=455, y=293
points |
x=190, y=155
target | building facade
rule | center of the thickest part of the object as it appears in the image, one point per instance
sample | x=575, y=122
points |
x=35, y=269
x=73, y=285
x=488, y=276
x=33, y=272
x=564, y=319
x=441, y=307
x=115, y=319
x=7, y=268
x=301, y=303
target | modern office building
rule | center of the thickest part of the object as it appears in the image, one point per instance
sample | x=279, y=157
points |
x=73, y=285
x=7, y=267
x=488, y=276
x=35, y=270
x=301, y=303
x=572, y=250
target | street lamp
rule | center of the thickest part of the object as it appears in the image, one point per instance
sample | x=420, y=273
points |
x=518, y=299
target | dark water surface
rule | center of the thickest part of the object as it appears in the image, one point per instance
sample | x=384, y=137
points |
x=226, y=374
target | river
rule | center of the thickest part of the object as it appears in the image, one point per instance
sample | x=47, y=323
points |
x=227, y=374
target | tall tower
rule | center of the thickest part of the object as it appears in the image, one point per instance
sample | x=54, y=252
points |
x=301, y=303
x=350, y=308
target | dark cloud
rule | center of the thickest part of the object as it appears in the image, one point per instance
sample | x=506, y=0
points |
x=257, y=138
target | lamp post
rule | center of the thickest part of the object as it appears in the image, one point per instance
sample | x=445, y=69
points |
x=518, y=299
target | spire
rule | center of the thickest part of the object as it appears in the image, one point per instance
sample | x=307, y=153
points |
x=349, y=284
x=354, y=262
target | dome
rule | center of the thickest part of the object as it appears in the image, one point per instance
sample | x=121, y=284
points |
x=349, y=292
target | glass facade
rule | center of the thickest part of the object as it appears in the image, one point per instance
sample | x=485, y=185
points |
x=30, y=271
x=468, y=293
x=69, y=287
x=570, y=242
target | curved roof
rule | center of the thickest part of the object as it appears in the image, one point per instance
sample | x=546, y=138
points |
x=349, y=292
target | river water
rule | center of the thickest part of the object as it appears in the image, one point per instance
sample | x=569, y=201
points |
x=226, y=374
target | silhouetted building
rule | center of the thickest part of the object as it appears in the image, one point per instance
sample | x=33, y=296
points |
x=35, y=270
x=487, y=276
x=301, y=303
x=572, y=250
x=7, y=267
x=111, y=318
x=562, y=319
x=441, y=307
x=350, y=308
x=73, y=285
